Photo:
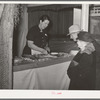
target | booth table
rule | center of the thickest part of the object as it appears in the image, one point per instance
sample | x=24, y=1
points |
x=42, y=75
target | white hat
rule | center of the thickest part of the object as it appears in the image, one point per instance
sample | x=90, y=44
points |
x=74, y=28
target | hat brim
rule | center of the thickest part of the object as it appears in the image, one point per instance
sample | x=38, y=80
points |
x=72, y=33
x=68, y=34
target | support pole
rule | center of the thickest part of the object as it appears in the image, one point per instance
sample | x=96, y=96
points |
x=85, y=17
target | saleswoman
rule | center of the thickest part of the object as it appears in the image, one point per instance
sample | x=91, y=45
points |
x=37, y=38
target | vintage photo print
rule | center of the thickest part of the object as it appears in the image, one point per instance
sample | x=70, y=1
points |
x=50, y=48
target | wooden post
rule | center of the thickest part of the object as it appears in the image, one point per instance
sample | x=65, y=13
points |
x=6, y=34
x=85, y=17
x=23, y=29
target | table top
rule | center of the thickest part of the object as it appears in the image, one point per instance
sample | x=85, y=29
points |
x=42, y=63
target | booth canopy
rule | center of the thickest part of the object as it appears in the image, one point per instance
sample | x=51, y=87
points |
x=53, y=7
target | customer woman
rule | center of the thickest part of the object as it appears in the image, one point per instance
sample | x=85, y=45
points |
x=82, y=70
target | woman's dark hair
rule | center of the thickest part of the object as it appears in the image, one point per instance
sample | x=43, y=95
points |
x=46, y=17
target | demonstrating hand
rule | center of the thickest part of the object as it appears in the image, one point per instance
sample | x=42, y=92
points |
x=47, y=49
x=44, y=51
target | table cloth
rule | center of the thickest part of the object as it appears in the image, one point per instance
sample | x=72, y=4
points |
x=42, y=75
x=53, y=77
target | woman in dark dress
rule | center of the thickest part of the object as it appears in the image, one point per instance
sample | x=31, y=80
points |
x=82, y=70
x=37, y=38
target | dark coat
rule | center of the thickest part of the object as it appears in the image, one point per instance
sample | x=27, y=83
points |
x=83, y=75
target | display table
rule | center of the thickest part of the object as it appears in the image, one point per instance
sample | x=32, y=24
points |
x=44, y=75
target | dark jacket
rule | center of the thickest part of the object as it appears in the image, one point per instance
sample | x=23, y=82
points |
x=83, y=74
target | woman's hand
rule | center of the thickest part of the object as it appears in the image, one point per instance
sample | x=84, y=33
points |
x=47, y=49
x=44, y=51
x=36, y=48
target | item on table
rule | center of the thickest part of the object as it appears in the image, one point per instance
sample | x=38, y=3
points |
x=30, y=56
x=54, y=53
x=60, y=54
x=18, y=60
x=41, y=56
x=28, y=59
x=44, y=59
x=50, y=56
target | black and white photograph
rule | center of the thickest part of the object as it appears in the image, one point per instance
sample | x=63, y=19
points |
x=50, y=46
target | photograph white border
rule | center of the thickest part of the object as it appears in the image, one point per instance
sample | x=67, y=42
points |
x=68, y=94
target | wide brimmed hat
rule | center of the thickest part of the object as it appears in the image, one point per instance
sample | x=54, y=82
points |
x=85, y=36
x=74, y=28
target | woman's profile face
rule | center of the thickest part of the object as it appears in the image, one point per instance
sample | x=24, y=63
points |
x=44, y=24
x=81, y=44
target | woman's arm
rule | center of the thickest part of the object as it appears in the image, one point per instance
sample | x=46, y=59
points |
x=34, y=47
